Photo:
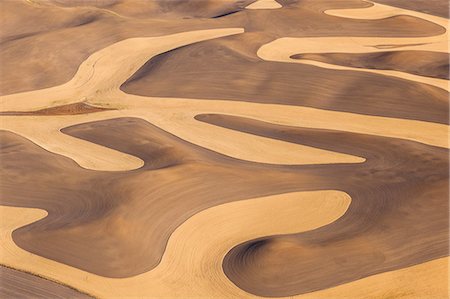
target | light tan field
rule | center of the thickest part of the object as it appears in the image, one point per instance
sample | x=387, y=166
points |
x=282, y=49
x=264, y=4
x=193, y=274
x=177, y=116
x=198, y=271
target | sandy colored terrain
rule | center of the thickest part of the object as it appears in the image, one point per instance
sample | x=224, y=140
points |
x=224, y=149
x=27, y=30
x=157, y=9
x=417, y=281
x=190, y=130
x=379, y=11
x=427, y=280
x=101, y=89
x=103, y=71
x=310, y=260
x=434, y=7
x=30, y=25
x=198, y=271
x=68, y=109
x=91, y=156
x=245, y=77
x=166, y=158
x=284, y=48
x=384, y=177
x=264, y=4
x=423, y=63
x=17, y=284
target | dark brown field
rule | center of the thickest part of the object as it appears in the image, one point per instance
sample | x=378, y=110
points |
x=16, y=284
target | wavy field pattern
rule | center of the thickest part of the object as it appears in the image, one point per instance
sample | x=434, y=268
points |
x=224, y=149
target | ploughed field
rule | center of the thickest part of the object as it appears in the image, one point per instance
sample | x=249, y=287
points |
x=224, y=149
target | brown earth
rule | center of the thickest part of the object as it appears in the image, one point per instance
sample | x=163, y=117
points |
x=18, y=284
x=399, y=195
x=435, y=7
x=33, y=36
x=227, y=69
x=70, y=109
x=423, y=63
x=106, y=215
x=161, y=8
x=134, y=211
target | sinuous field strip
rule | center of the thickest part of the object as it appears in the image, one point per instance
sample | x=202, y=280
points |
x=417, y=281
x=88, y=212
x=386, y=227
x=46, y=131
x=197, y=271
x=423, y=63
x=264, y=4
x=224, y=149
x=244, y=77
x=283, y=49
x=100, y=28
